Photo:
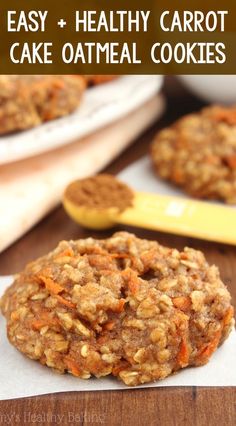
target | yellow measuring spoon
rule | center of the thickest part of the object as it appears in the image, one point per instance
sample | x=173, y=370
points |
x=151, y=211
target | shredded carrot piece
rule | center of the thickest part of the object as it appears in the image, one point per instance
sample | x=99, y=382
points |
x=109, y=325
x=14, y=316
x=51, y=285
x=67, y=252
x=120, y=306
x=182, y=302
x=44, y=320
x=228, y=316
x=66, y=302
x=120, y=256
x=181, y=322
x=102, y=339
x=212, y=159
x=184, y=353
x=121, y=365
x=96, y=250
x=59, y=84
x=98, y=261
x=45, y=272
x=38, y=324
x=132, y=278
x=231, y=160
x=133, y=285
x=72, y=366
x=226, y=115
x=178, y=176
x=207, y=350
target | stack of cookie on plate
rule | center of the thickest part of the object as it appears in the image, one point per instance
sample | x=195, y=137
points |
x=29, y=100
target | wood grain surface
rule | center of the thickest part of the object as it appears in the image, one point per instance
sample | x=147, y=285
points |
x=162, y=406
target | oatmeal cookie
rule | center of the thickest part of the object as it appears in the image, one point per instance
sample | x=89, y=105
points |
x=27, y=101
x=122, y=306
x=93, y=80
x=198, y=153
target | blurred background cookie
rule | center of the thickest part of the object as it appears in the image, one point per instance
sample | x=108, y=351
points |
x=99, y=79
x=27, y=101
x=198, y=153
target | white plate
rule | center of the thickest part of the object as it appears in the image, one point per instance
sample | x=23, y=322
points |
x=212, y=88
x=101, y=105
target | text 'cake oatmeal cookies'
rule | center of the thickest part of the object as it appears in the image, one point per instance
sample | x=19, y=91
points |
x=198, y=153
x=122, y=306
x=29, y=100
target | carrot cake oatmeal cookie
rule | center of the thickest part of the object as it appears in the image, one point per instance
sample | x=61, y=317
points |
x=99, y=79
x=122, y=306
x=198, y=153
x=27, y=101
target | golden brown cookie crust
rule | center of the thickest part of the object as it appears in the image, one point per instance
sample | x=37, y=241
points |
x=27, y=101
x=122, y=306
x=198, y=153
